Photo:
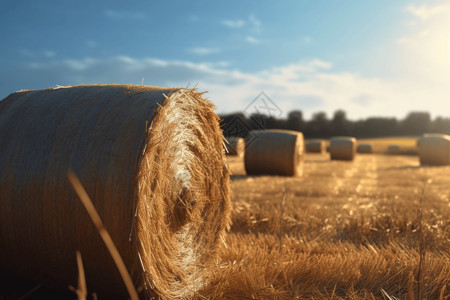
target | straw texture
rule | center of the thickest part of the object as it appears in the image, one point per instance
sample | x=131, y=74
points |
x=434, y=149
x=274, y=152
x=364, y=148
x=315, y=146
x=235, y=146
x=154, y=166
x=342, y=148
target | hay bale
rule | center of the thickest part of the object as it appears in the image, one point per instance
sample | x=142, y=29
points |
x=342, y=148
x=393, y=149
x=315, y=146
x=434, y=149
x=364, y=148
x=274, y=152
x=154, y=166
x=235, y=146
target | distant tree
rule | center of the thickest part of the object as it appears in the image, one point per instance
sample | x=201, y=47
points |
x=295, y=120
x=378, y=127
x=416, y=123
x=235, y=124
x=318, y=127
x=339, y=124
x=440, y=125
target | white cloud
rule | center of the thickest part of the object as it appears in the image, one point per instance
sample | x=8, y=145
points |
x=253, y=24
x=310, y=86
x=425, y=11
x=203, y=50
x=233, y=23
x=252, y=40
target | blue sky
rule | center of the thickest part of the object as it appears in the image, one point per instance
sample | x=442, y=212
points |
x=370, y=58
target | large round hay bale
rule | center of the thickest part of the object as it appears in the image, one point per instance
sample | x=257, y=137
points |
x=393, y=149
x=151, y=159
x=274, y=152
x=342, y=148
x=364, y=148
x=434, y=149
x=235, y=146
x=315, y=146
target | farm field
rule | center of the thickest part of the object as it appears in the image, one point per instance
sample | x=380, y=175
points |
x=374, y=228
x=407, y=145
x=344, y=230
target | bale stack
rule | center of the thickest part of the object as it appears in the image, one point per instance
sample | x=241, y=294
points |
x=274, y=152
x=235, y=146
x=434, y=149
x=342, y=148
x=315, y=146
x=393, y=149
x=364, y=148
x=153, y=163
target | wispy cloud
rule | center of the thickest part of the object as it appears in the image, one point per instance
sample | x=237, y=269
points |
x=125, y=15
x=426, y=11
x=49, y=53
x=252, y=40
x=203, y=50
x=233, y=23
x=256, y=24
x=310, y=85
x=252, y=24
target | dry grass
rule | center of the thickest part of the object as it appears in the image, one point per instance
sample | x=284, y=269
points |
x=343, y=231
x=407, y=145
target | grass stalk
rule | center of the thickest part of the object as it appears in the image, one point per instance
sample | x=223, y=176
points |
x=95, y=217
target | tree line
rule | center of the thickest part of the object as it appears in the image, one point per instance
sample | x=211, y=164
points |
x=320, y=126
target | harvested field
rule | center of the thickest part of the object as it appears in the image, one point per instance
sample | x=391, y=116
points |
x=407, y=145
x=345, y=230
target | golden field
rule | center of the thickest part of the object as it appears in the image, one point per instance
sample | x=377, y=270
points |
x=374, y=228
x=377, y=227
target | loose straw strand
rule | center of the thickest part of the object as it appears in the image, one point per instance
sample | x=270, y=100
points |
x=79, y=189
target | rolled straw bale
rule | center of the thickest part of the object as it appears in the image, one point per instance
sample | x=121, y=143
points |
x=235, y=146
x=434, y=149
x=274, y=152
x=154, y=166
x=315, y=146
x=364, y=148
x=393, y=149
x=342, y=148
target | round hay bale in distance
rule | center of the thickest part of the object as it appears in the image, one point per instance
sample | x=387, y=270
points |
x=274, y=152
x=364, y=148
x=393, y=149
x=434, y=149
x=235, y=146
x=153, y=163
x=315, y=146
x=342, y=148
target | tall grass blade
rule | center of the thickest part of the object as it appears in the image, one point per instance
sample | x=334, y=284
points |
x=79, y=189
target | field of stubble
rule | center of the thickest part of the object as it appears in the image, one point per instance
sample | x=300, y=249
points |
x=374, y=228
